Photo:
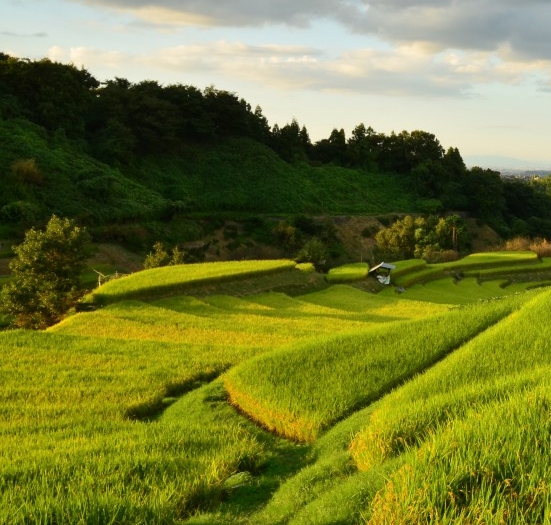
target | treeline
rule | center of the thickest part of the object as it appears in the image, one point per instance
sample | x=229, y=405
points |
x=120, y=124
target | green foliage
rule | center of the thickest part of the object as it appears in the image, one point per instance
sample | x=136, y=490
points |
x=69, y=407
x=123, y=151
x=422, y=237
x=94, y=403
x=300, y=391
x=486, y=194
x=486, y=392
x=46, y=273
x=314, y=251
x=44, y=177
x=160, y=257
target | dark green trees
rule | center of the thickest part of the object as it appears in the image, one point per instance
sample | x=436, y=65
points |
x=421, y=237
x=46, y=273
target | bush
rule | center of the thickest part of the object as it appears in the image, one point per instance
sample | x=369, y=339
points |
x=541, y=247
x=160, y=257
x=517, y=244
x=46, y=274
x=313, y=251
x=27, y=172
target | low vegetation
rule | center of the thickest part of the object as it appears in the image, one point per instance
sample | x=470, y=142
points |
x=165, y=280
x=348, y=273
x=300, y=391
x=492, y=391
x=126, y=414
x=71, y=446
x=260, y=392
x=490, y=264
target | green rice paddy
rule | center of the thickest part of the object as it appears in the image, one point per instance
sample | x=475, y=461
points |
x=257, y=407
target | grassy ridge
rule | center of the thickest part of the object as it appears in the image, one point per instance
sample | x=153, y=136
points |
x=242, y=331
x=478, y=469
x=449, y=291
x=487, y=264
x=377, y=307
x=175, y=279
x=347, y=273
x=494, y=391
x=300, y=391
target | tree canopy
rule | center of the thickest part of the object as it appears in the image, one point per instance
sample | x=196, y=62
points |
x=118, y=126
x=422, y=237
x=46, y=274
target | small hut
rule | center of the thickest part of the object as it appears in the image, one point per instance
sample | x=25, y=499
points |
x=382, y=272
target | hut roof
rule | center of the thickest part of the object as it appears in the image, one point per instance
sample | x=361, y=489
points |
x=385, y=265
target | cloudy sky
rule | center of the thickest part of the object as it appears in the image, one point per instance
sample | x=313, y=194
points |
x=476, y=73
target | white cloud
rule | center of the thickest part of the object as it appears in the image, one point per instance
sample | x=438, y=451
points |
x=405, y=70
x=440, y=24
x=89, y=58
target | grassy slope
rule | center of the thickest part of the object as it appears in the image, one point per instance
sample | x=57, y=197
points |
x=73, y=184
x=101, y=368
x=484, y=409
x=241, y=174
x=238, y=175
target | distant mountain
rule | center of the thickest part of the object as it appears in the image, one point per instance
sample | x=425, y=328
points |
x=507, y=164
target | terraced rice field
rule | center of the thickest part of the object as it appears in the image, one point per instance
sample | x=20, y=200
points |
x=335, y=406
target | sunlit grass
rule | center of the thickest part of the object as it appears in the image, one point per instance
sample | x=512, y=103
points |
x=239, y=325
x=347, y=273
x=477, y=409
x=382, y=306
x=69, y=448
x=300, y=391
x=177, y=278
x=486, y=264
x=492, y=462
x=91, y=431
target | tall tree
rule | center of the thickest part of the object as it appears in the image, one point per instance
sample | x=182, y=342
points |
x=486, y=198
x=291, y=141
x=363, y=148
x=46, y=274
x=53, y=95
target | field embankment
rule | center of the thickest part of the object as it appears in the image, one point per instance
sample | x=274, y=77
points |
x=300, y=391
x=471, y=430
x=129, y=405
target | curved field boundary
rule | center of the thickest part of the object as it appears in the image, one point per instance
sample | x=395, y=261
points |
x=471, y=431
x=483, y=370
x=486, y=264
x=302, y=390
x=543, y=265
x=175, y=279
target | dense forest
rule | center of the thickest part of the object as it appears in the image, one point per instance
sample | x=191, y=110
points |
x=149, y=158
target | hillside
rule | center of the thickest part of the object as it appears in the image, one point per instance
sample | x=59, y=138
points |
x=235, y=176
x=141, y=162
x=258, y=393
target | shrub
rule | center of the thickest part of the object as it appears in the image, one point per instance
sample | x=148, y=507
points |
x=27, y=172
x=160, y=257
x=46, y=274
x=541, y=247
x=313, y=251
x=517, y=244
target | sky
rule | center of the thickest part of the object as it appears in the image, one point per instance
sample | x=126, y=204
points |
x=475, y=73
